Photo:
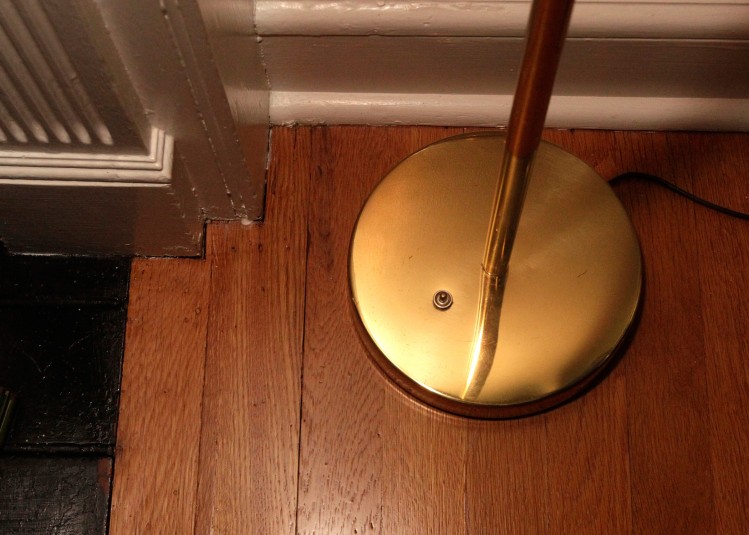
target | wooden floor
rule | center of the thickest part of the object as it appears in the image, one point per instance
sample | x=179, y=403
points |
x=249, y=404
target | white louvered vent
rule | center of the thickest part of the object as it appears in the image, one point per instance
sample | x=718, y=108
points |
x=53, y=127
x=43, y=100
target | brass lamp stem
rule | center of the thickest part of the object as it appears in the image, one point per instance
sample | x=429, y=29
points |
x=431, y=316
x=547, y=28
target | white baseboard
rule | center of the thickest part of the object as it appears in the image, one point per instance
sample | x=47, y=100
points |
x=659, y=64
x=652, y=19
x=636, y=113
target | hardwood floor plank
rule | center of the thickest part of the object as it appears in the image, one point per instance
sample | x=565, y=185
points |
x=158, y=436
x=301, y=433
x=629, y=456
x=724, y=275
x=423, y=463
x=586, y=446
x=340, y=460
x=566, y=471
x=423, y=459
x=587, y=462
x=506, y=477
x=587, y=441
x=250, y=440
x=665, y=367
x=356, y=472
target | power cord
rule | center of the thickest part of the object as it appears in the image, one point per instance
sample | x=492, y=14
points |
x=676, y=189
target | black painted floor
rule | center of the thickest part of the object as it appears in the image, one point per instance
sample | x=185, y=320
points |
x=62, y=327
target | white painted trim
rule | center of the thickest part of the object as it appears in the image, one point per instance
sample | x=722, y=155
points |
x=152, y=160
x=117, y=133
x=51, y=84
x=87, y=184
x=636, y=113
x=654, y=19
x=154, y=167
x=102, y=217
x=171, y=59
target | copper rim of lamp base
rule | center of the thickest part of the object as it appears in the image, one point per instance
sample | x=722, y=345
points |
x=570, y=295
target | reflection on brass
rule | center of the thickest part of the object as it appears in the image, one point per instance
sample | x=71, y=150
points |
x=508, y=345
x=547, y=27
x=546, y=31
x=485, y=335
x=506, y=211
x=507, y=208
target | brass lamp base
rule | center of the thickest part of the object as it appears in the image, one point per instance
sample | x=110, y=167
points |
x=415, y=271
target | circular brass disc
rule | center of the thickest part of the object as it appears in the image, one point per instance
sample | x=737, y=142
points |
x=571, y=292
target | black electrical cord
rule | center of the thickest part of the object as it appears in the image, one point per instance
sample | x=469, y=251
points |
x=676, y=189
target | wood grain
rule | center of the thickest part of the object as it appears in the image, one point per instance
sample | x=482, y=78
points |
x=667, y=403
x=423, y=476
x=371, y=460
x=251, y=401
x=723, y=267
x=636, y=454
x=659, y=445
x=158, y=436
